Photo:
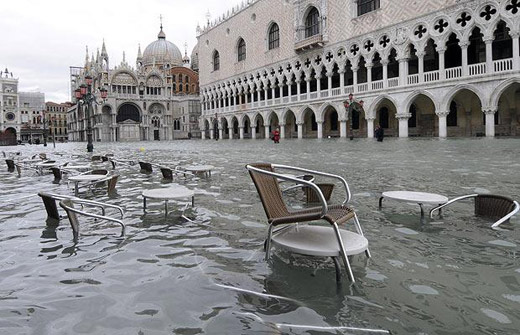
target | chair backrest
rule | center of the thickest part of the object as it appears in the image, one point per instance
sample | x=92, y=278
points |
x=57, y=173
x=167, y=173
x=311, y=195
x=50, y=205
x=99, y=171
x=96, y=158
x=10, y=165
x=269, y=192
x=146, y=167
x=111, y=183
x=43, y=156
x=73, y=217
x=491, y=205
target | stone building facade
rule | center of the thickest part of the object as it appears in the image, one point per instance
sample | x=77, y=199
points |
x=422, y=68
x=32, y=116
x=10, y=122
x=158, y=99
x=56, y=117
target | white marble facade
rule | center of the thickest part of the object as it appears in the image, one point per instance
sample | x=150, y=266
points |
x=422, y=68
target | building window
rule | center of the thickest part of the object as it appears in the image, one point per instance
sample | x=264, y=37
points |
x=241, y=50
x=365, y=6
x=216, y=61
x=274, y=36
x=312, y=23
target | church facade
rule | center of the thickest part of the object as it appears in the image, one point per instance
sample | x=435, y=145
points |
x=447, y=68
x=158, y=99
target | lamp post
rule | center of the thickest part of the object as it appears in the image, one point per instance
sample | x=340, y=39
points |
x=44, y=129
x=85, y=97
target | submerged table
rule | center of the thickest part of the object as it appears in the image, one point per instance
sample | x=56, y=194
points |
x=205, y=169
x=418, y=197
x=173, y=192
x=85, y=178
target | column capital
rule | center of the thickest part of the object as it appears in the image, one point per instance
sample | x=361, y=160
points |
x=355, y=68
x=299, y=123
x=489, y=110
x=464, y=44
x=441, y=49
x=403, y=116
x=420, y=54
x=280, y=124
x=370, y=118
x=514, y=34
x=385, y=62
x=442, y=113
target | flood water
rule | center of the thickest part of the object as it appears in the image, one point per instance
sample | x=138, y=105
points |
x=449, y=275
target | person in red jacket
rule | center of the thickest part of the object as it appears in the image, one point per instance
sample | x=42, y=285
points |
x=276, y=135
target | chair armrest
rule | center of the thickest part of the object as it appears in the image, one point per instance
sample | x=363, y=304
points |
x=77, y=211
x=508, y=216
x=101, y=205
x=348, y=195
x=450, y=202
x=324, y=207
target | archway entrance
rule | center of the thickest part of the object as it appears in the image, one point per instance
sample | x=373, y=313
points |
x=260, y=128
x=423, y=120
x=291, y=128
x=106, y=121
x=8, y=137
x=465, y=116
x=330, y=123
x=507, y=118
x=310, y=127
x=128, y=120
x=385, y=117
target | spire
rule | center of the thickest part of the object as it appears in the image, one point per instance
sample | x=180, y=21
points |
x=86, y=55
x=97, y=56
x=161, y=34
x=92, y=59
x=139, y=54
x=103, y=49
x=124, y=57
x=186, y=59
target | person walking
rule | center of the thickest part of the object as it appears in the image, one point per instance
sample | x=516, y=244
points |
x=276, y=135
x=379, y=133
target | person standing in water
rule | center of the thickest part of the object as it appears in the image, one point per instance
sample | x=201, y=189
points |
x=379, y=133
x=276, y=135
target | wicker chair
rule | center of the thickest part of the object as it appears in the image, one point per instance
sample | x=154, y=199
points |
x=311, y=240
x=488, y=205
x=146, y=167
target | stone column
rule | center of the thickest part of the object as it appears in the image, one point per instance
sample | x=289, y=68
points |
x=342, y=79
x=272, y=92
x=490, y=122
x=298, y=89
x=489, y=55
x=369, y=75
x=282, y=130
x=203, y=133
x=212, y=133
x=318, y=83
x=300, y=130
x=253, y=133
x=443, y=128
x=329, y=81
x=384, y=62
x=267, y=133
x=464, y=48
x=354, y=77
x=220, y=132
x=280, y=86
x=442, y=72
x=343, y=128
x=308, y=81
x=230, y=130
x=403, y=69
x=516, y=50
x=370, y=127
x=403, y=124
x=420, y=61
x=320, y=128
x=265, y=93
x=258, y=95
x=241, y=132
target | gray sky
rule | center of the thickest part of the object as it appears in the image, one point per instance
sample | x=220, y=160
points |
x=40, y=39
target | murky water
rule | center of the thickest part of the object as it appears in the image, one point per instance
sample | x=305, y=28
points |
x=450, y=275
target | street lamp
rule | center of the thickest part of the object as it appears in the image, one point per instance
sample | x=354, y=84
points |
x=85, y=97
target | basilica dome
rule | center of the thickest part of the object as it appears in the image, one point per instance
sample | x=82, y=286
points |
x=162, y=52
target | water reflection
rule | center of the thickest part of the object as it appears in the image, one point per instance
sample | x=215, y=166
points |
x=208, y=276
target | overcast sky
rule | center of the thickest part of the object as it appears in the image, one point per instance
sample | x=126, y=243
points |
x=40, y=39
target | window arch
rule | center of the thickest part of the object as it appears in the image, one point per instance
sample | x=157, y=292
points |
x=274, y=36
x=216, y=61
x=312, y=23
x=241, y=50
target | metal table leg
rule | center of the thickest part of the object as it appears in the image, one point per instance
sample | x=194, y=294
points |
x=381, y=202
x=422, y=210
x=144, y=204
x=166, y=207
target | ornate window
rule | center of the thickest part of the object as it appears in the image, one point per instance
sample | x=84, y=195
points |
x=274, y=36
x=312, y=23
x=216, y=61
x=241, y=50
x=365, y=6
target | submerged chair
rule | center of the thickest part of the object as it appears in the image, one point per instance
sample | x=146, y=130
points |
x=311, y=240
x=146, y=167
x=488, y=205
x=72, y=211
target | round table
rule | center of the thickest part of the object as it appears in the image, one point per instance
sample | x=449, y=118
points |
x=206, y=169
x=418, y=197
x=85, y=178
x=172, y=192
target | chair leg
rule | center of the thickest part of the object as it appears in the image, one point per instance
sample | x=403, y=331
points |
x=360, y=231
x=343, y=253
x=338, y=269
x=268, y=243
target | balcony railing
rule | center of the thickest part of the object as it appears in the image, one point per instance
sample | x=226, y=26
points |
x=429, y=77
x=304, y=42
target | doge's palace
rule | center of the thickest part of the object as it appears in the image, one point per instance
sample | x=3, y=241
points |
x=422, y=68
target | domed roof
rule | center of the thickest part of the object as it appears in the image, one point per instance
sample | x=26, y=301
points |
x=195, y=58
x=162, y=52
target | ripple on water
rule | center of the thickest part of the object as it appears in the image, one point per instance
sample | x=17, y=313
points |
x=406, y=231
x=423, y=289
x=503, y=243
x=497, y=316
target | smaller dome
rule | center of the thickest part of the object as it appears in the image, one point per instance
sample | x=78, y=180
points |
x=195, y=58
